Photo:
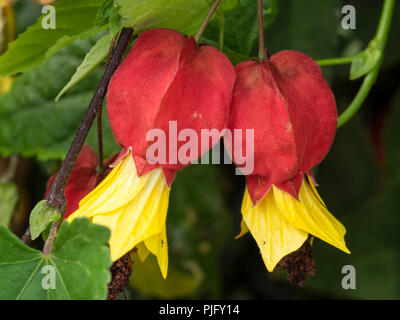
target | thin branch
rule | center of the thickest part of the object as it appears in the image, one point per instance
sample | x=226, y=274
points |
x=206, y=20
x=336, y=61
x=26, y=238
x=52, y=236
x=261, y=47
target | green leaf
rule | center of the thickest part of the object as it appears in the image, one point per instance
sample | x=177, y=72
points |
x=365, y=61
x=41, y=216
x=79, y=262
x=8, y=201
x=241, y=28
x=116, y=23
x=74, y=19
x=103, y=14
x=33, y=124
x=93, y=58
x=184, y=16
x=109, y=14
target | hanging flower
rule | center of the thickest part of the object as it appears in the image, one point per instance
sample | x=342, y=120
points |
x=165, y=78
x=292, y=110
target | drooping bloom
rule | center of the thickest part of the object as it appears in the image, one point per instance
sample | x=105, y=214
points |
x=165, y=78
x=292, y=110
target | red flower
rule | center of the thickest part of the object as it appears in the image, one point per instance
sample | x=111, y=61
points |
x=293, y=113
x=167, y=77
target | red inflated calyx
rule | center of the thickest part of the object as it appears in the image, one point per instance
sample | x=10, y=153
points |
x=83, y=179
x=167, y=77
x=292, y=110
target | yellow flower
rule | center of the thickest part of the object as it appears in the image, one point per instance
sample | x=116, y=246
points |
x=134, y=209
x=280, y=224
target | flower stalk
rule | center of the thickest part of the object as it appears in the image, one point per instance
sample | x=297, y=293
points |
x=203, y=26
x=261, y=47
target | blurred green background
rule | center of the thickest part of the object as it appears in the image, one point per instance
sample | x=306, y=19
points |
x=359, y=180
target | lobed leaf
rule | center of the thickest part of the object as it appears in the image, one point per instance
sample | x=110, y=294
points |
x=76, y=268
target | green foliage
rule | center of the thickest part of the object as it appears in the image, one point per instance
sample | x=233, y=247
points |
x=33, y=124
x=8, y=201
x=74, y=20
x=241, y=28
x=181, y=15
x=356, y=189
x=365, y=61
x=108, y=14
x=103, y=14
x=93, y=58
x=41, y=217
x=80, y=258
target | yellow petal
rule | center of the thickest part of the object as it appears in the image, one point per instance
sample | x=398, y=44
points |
x=143, y=217
x=142, y=251
x=243, y=229
x=121, y=185
x=158, y=246
x=311, y=215
x=275, y=237
x=133, y=208
x=315, y=190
